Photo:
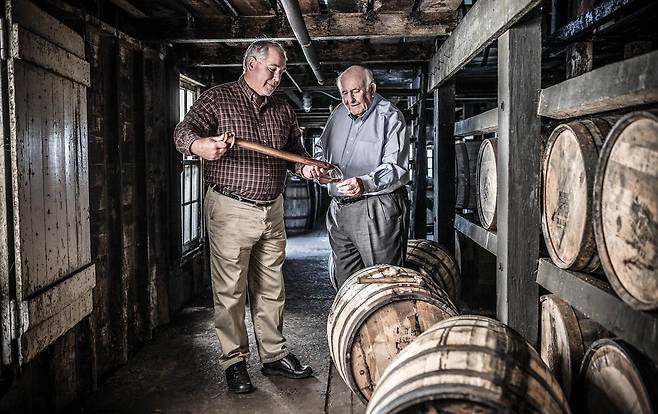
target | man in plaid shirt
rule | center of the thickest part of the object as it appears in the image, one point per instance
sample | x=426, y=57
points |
x=244, y=209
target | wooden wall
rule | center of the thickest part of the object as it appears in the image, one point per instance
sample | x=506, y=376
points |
x=141, y=280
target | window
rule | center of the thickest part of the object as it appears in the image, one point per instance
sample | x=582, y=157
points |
x=191, y=183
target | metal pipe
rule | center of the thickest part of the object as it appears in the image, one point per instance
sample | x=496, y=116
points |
x=294, y=15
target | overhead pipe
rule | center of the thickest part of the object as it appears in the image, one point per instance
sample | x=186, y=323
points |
x=294, y=15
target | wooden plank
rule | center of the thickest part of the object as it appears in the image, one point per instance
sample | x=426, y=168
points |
x=32, y=18
x=329, y=26
x=483, y=123
x=519, y=153
x=485, y=238
x=597, y=301
x=6, y=325
x=39, y=337
x=30, y=91
x=82, y=179
x=54, y=300
x=129, y=8
x=618, y=85
x=30, y=47
x=69, y=147
x=483, y=23
x=591, y=19
x=444, y=166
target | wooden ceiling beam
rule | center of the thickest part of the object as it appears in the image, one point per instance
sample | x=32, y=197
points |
x=343, y=54
x=330, y=26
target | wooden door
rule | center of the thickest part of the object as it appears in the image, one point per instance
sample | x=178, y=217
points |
x=46, y=128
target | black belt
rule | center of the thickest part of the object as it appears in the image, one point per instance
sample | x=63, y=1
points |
x=349, y=200
x=254, y=203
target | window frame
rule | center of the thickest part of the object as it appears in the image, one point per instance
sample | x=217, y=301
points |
x=188, y=92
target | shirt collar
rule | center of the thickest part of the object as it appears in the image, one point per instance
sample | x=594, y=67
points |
x=373, y=104
x=249, y=93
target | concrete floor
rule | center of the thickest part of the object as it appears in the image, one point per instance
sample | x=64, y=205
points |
x=179, y=372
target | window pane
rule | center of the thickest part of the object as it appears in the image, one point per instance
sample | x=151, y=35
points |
x=187, y=231
x=188, y=183
x=195, y=182
x=181, y=107
x=190, y=100
x=195, y=221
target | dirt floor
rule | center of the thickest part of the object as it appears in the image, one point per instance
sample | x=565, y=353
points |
x=179, y=372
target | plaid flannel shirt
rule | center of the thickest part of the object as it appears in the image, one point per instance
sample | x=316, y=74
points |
x=230, y=107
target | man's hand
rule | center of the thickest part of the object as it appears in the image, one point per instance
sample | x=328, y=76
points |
x=312, y=172
x=210, y=148
x=352, y=187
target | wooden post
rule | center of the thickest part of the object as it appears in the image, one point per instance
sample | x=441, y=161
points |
x=519, y=155
x=420, y=199
x=444, y=165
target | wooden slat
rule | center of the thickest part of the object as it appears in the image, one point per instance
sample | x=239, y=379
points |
x=330, y=26
x=597, y=301
x=628, y=83
x=483, y=23
x=82, y=179
x=26, y=14
x=519, y=153
x=55, y=299
x=36, y=49
x=28, y=130
x=485, y=238
x=444, y=166
x=42, y=335
x=483, y=123
x=129, y=8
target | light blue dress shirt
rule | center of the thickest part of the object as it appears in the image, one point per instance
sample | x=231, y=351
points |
x=373, y=147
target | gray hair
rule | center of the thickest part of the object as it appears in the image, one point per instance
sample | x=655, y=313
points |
x=370, y=78
x=258, y=50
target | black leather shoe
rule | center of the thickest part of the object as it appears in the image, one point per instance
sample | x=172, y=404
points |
x=288, y=366
x=237, y=378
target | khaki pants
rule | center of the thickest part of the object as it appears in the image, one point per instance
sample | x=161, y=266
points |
x=247, y=250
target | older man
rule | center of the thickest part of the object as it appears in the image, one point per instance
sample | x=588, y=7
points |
x=244, y=209
x=366, y=137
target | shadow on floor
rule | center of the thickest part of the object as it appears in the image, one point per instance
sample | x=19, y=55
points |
x=179, y=372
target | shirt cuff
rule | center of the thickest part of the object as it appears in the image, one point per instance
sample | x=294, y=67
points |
x=368, y=184
x=186, y=145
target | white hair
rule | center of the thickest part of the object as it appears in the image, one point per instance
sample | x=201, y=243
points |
x=258, y=50
x=370, y=78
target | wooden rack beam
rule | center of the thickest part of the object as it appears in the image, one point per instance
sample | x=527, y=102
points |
x=485, y=238
x=519, y=164
x=596, y=299
x=483, y=123
x=627, y=83
x=483, y=24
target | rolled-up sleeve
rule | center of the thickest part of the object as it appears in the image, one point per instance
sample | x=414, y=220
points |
x=200, y=121
x=394, y=167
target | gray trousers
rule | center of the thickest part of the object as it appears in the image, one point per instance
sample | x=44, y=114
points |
x=368, y=232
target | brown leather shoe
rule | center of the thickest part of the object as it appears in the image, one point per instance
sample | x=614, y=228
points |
x=238, y=379
x=288, y=366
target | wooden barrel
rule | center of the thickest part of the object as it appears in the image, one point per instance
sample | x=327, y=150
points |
x=298, y=206
x=468, y=364
x=568, y=171
x=487, y=181
x=626, y=209
x=565, y=335
x=614, y=378
x=466, y=174
x=433, y=260
x=377, y=312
